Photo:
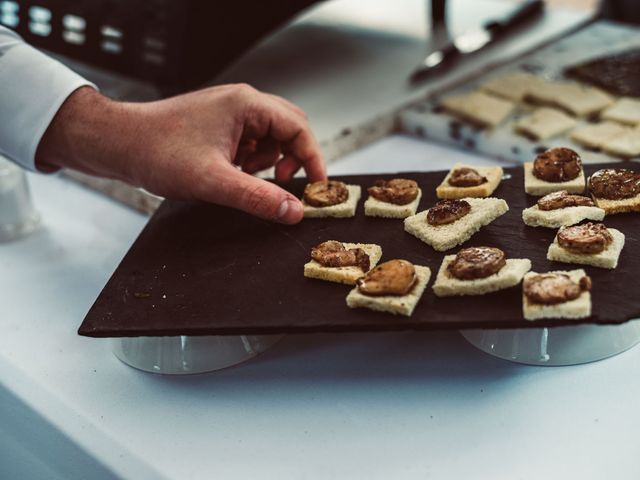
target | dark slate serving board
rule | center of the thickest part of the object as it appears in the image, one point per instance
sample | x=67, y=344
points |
x=208, y=270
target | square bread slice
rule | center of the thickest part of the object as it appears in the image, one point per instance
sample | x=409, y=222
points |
x=576, y=99
x=542, y=93
x=577, y=308
x=478, y=108
x=535, y=186
x=624, y=205
x=560, y=217
x=492, y=174
x=346, y=275
x=345, y=209
x=595, y=136
x=377, y=208
x=443, y=237
x=398, y=305
x=512, y=86
x=543, y=123
x=625, y=110
x=580, y=100
x=446, y=285
x=625, y=145
x=608, y=258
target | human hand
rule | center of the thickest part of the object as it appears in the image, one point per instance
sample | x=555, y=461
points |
x=199, y=146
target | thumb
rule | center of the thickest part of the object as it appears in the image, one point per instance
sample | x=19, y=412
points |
x=256, y=197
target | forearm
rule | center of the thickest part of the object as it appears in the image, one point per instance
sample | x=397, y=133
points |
x=92, y=134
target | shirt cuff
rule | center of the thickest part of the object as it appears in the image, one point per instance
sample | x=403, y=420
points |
x=34, y=87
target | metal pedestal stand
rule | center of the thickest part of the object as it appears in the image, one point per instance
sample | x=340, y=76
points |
x=185, y=355
x=570, y=345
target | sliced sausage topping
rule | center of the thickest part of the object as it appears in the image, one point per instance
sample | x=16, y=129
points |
x=615, y=183
x=587, y=238
x=554, y=288
x=466, y=177
x=334, y=254
x=325, y=193
x=562, y=199
x=477, y=262
x=447, y=211
x=398, y=191
x=557, y=165
x=395, y=277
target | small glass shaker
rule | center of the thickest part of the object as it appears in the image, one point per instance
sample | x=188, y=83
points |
x=18, y=218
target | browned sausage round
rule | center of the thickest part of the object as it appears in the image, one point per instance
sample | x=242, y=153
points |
x=466, y=177
x=587, y=238
x=395, y=277
x=562, y=199
x=554, y=288
x=325, y=193
x=447, y=211
x=614, y=183
x=398, y=191
x=334, y=254
x=477, y=262
x=557, y=165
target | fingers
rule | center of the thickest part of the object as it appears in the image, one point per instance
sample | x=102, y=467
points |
x=288, y=104
x=306, y=151
x=286, y=168
x=277, y=120
x=260, y=161
x=255, y=196
x=244, y=151
x=265, y=155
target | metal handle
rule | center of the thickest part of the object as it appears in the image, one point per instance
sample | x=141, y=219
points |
x=526, y=12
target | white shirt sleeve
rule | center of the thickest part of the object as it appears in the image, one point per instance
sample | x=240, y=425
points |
x=33, y=87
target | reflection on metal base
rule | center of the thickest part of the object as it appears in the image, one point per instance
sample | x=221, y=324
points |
x=184, y=355
x=570, y=345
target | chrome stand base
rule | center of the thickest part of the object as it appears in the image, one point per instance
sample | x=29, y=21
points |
x=186, y=355
x=556, y=346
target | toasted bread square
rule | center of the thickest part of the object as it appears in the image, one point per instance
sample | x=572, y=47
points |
x=624, y=205
x=492, y=174
x=560, y=217
x=397, y=305
x=541, y=93
x=346, y=275
x=577, y=308
x=535, y=186
x=478, y=108
x=512, y=86
x=624, y=145
x=377, y=208
x=543, y=123
x=446, y=285
x=574, y=98
x=595, y=136
x=625, y=110
x=345, y=209
x=608, y=258
x=581, y=100
x=443, y=237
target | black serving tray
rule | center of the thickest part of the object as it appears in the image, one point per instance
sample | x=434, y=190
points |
x=207, y=270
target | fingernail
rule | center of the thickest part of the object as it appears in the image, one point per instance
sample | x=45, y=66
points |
x=282, y=210
x=290, y=211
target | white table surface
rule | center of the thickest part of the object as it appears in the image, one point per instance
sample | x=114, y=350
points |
x=376, y=406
